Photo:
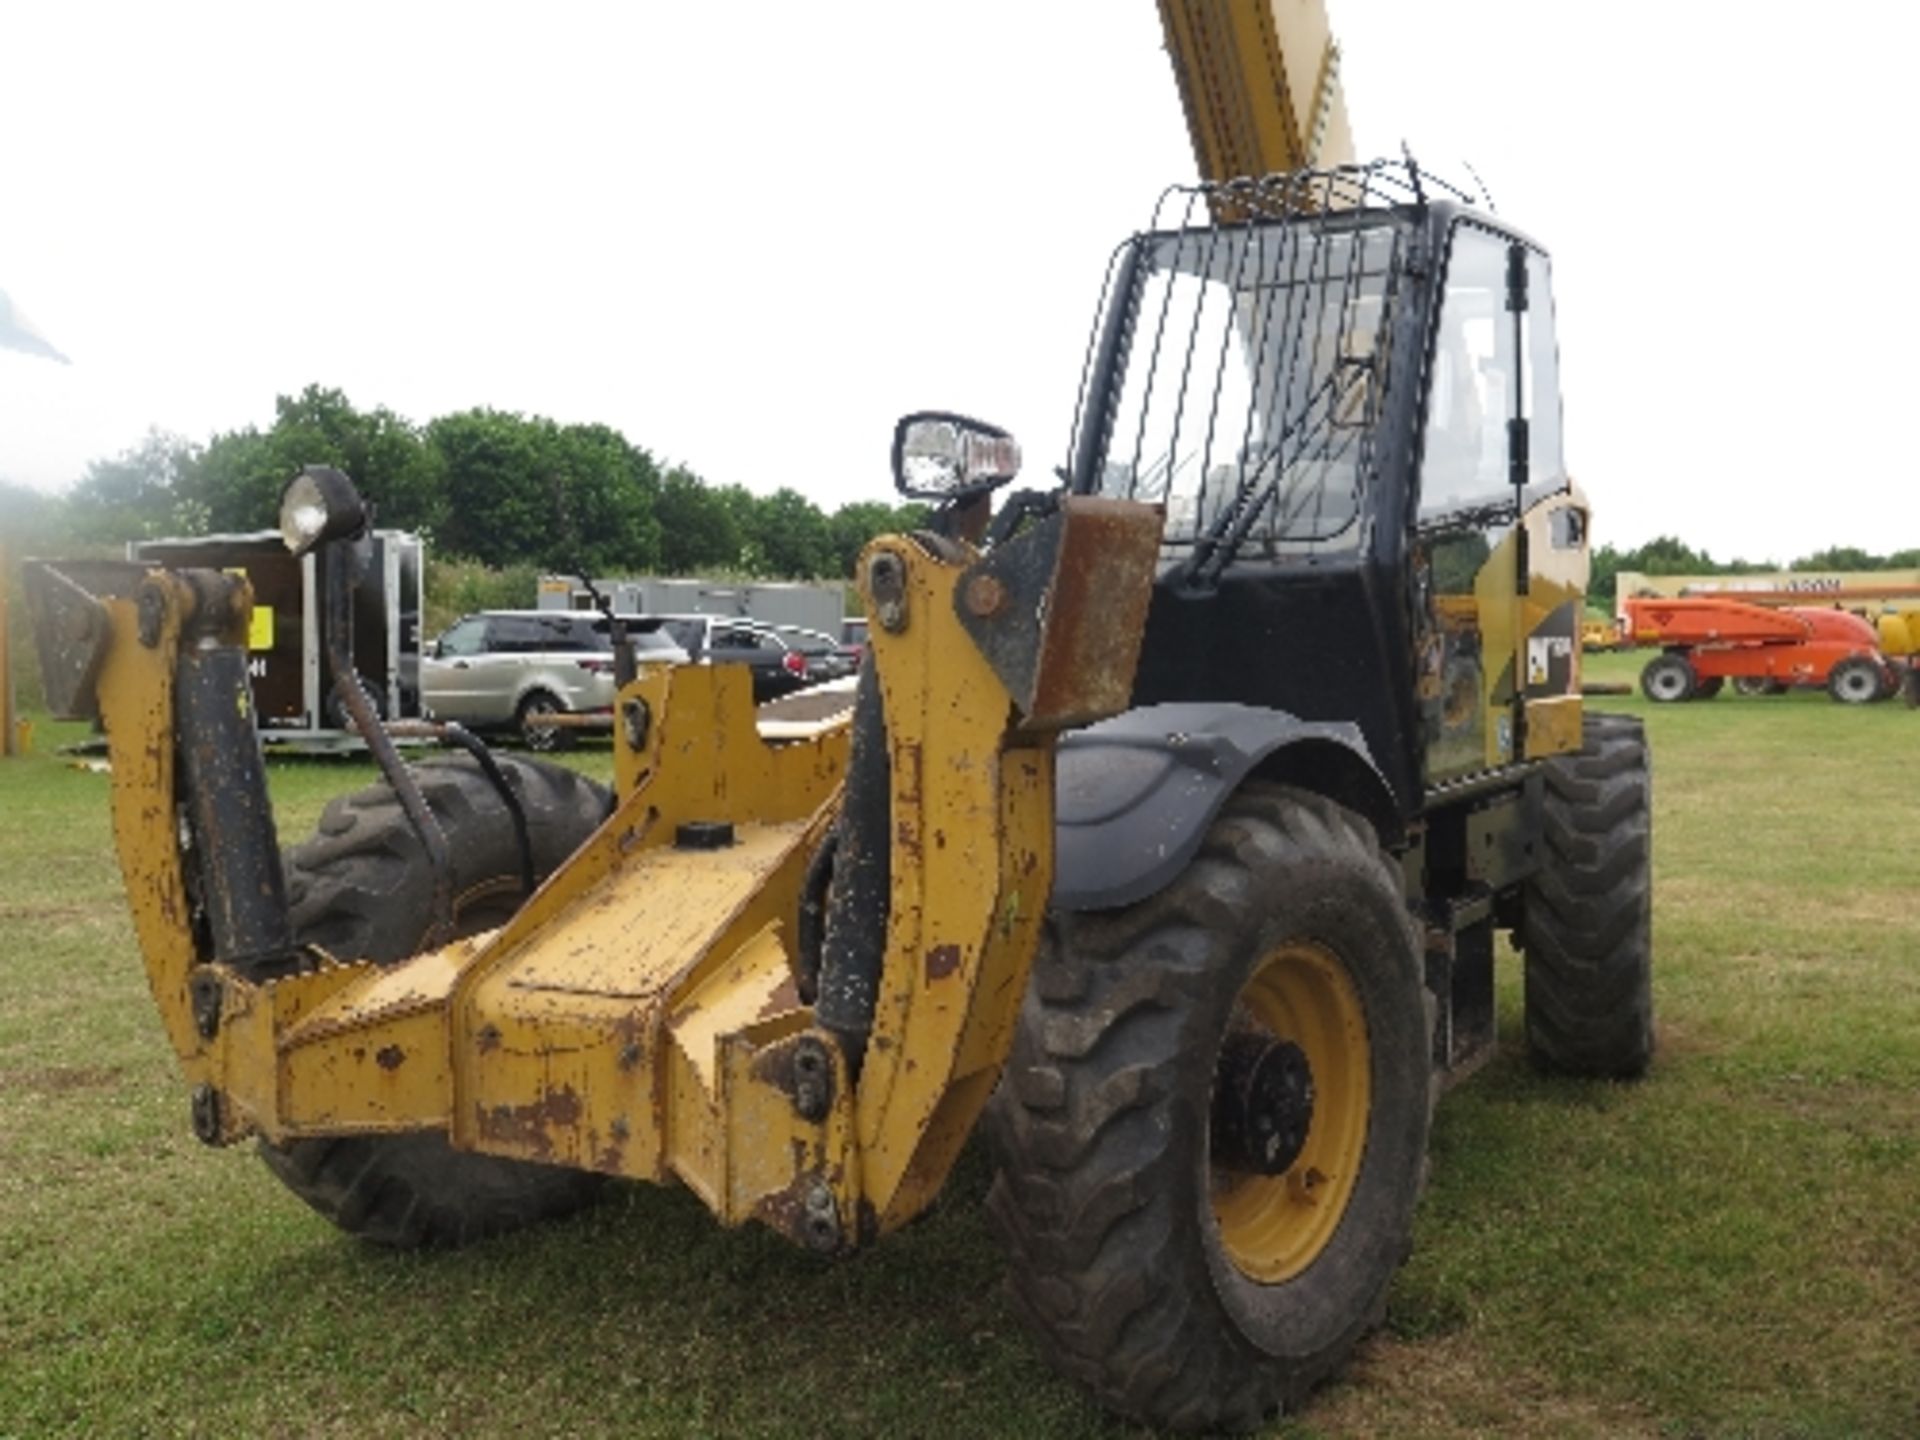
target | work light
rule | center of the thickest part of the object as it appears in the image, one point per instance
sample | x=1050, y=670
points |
x=319, y=504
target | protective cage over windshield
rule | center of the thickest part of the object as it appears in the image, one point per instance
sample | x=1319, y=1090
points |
x=1240, y=376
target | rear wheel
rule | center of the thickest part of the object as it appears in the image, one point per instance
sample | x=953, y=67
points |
x=1668, y=679
x=535, y=733
x=356, y=891
x=1213, y=1125
x=1587, y=923
x=1855, y=682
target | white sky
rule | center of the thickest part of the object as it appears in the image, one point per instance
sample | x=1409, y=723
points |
x=751, y=235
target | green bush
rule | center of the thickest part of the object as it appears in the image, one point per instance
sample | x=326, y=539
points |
x=457, y=587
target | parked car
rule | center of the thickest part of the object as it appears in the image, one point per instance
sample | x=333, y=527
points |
x=779, y=657
x=853, y=641
x=827, y=658
x=507, y=669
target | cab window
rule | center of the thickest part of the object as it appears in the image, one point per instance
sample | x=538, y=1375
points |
x=516, y=635
x=1483, y=375
x=1470, y=388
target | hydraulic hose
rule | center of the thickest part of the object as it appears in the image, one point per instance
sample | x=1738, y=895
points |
x=855, y=942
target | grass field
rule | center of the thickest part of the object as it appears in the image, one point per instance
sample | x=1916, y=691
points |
x=1730, y=1248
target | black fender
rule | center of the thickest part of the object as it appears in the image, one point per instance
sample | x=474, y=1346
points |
x=1134, y=795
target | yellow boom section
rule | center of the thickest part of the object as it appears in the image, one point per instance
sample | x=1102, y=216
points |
x=1260, y=82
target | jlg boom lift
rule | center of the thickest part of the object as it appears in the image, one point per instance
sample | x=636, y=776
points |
x=1175, y=819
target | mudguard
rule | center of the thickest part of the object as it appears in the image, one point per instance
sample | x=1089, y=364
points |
x=1134, y=795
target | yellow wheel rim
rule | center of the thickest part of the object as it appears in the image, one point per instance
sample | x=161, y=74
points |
x=1274, y=1226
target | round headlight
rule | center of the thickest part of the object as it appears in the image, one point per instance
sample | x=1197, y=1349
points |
x=319, y=504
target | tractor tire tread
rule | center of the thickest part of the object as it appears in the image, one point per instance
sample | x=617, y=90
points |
x=1586, y=928
x=1104, y=1268
x=355, y=889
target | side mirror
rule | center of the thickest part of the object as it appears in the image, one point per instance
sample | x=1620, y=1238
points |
x=938, y=456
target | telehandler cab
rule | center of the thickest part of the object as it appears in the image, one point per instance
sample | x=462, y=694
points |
x=1171, y=828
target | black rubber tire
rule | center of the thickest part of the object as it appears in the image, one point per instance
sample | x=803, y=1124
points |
x=1754, y=685
x=1708, y=688
x=1856, y=682
x=541, y=739
x=358, y=889
x=1586, y=924
x=1668, y=679
x=1101, y=1124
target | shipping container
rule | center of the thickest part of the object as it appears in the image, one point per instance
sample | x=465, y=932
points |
x=805, y=604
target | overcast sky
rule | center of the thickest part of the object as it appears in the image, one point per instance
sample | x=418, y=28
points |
x=750, y=235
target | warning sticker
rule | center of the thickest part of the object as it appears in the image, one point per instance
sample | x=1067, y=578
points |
x=1549, y=659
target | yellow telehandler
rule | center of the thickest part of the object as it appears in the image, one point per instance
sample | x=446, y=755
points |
x=1170, y=828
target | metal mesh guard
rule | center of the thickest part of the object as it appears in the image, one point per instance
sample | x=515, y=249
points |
x=1253, y=327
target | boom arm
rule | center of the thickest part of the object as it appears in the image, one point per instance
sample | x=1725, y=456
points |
x=1260, y=82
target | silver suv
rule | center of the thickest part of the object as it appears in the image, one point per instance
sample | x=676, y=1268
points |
x=504, y=669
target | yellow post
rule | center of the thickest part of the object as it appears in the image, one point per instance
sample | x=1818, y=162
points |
x=6, y=668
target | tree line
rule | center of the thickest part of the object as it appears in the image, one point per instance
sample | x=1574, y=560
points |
x=1666, y=555
x=512, y=492
x=488, y=485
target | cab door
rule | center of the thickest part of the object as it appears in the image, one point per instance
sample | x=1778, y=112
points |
x=1490, y=460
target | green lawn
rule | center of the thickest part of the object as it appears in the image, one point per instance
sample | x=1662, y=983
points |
x=1731, y=1247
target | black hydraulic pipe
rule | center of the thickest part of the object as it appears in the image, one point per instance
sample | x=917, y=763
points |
x=337, y=621
x=810, y=935
x=855, y=942
x=516, y=812
x=235, y=854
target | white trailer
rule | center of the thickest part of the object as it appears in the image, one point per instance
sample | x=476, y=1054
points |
x=292, y=681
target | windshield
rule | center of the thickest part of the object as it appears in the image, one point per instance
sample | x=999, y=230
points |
x=1253, y=378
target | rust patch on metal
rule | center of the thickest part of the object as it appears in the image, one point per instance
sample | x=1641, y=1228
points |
x=785, y=997
x=390, y=1057
x=985, y=595
x=488, y=1039
x=1096, y=611
x=610, y=1157
x=906, y=772
x=942, y=961
x=629, y=1036
x=525, y=1127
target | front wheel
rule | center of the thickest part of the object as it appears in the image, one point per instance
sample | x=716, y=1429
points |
x=1668, y=679
x=355, y=889
x=536, y=731
x=1213, y=1125
x=1587, y=924
x=1856, y=682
